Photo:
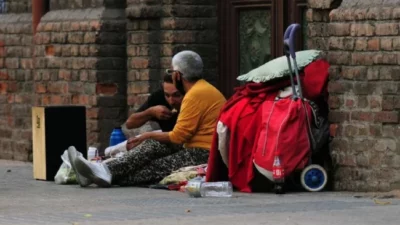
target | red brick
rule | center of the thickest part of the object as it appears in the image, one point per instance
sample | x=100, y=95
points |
x=354, y=73
x=56, y=100
x=139, y=75
x=338, y=116
x=92, y=113
x=362, y=29
x=387, y=29
x=106, y=89
x=138, y=87
x=334, y=102
x=396, y=13
x=362, y=116
x=360, y=14
x=3, y=87
x=139, y=63
x=388, y=103
x=375, y=130
x=48, y=27
x=387, y=117
x=350, y=131
x=64, y=75
x=12, y=87
x=384, y=58
x=93, y=138
x=75, y=26
x=375, y=102
x=396, y=43
x=84, y=26
x=2, y=52
x=373, y=74
x=350, y=103
x=373, y=45
x=362, y=102
x=178, y=37
x=27, y=64
x=386, y=44
x=80, y=99
x=3, y=76
x=361, y=44
x=341, y=43
x=339, y=58
x=95, y=25
x=46, y=100
x=84, y=75
x=339, y=87
x=12, y=63
x=333, y=129
x=23, y=98
x=362, y=58
x=57, y=87
x=379, y=13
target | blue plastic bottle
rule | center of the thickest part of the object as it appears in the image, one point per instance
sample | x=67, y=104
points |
x=117, y=136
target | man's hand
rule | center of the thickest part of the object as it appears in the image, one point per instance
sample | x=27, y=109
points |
x=135, y=141
x=161, y=112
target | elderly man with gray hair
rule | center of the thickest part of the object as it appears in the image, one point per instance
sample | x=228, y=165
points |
x=153, y=156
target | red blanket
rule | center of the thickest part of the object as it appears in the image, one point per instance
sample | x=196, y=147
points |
x=242, y=115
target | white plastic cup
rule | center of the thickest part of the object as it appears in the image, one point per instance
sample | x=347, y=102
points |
x=92, y=153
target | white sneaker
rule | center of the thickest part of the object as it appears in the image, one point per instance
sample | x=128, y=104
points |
x=72, y=154
x=96, y=172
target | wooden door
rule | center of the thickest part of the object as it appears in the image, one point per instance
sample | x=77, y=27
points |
x=251, y=33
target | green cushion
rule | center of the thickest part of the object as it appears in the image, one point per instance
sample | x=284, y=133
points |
x=278, y=67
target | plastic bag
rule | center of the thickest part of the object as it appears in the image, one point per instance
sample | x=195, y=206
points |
x=184, y=174
x=66, y=175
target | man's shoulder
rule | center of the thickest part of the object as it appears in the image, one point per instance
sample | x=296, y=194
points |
x=204, y=90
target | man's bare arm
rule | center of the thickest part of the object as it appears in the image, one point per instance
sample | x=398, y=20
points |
x=139, y=119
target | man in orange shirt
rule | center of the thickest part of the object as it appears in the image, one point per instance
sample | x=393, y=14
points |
x=154, y=156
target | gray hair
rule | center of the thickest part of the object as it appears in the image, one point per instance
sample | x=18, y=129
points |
x=190, y=64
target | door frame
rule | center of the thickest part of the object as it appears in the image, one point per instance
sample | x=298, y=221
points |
x=283, y=13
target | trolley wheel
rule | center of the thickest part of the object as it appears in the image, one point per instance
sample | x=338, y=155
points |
x=278, y=188
x=314, y=178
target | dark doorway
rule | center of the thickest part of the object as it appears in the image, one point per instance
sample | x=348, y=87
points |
x=251, y=33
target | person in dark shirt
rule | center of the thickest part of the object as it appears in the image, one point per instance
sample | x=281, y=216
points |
x=162, y=107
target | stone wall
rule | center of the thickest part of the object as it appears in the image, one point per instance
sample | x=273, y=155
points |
x=362, y=45
x=15, y=79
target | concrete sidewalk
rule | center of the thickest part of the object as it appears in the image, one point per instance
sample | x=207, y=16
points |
x=27, y=201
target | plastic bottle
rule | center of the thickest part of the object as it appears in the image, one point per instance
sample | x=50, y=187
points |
x=198, y=188
x=92, y=153
x=278, y=172
x=216, y=189
x=117, y=136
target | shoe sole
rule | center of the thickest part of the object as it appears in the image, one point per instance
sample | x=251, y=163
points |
x=87, y=170
x=72, y=152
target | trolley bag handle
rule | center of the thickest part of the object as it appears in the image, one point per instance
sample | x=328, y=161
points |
x=290, y=50
x=286, y=38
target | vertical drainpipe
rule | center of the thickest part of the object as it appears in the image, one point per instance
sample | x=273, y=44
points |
x=38, y=10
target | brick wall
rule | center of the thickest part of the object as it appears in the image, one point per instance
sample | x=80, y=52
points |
x=80, y=59
x=15, y=80
x=79, y=56
x=362, y=46
x=157, y=30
